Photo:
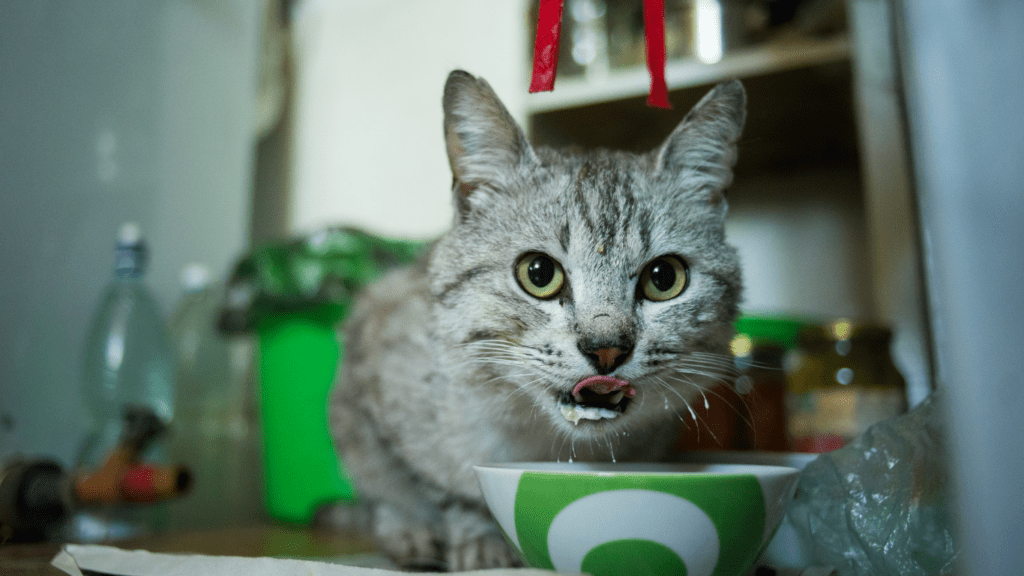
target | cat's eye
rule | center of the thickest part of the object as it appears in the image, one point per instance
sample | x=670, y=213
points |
x=540, y=275
x=664, y=278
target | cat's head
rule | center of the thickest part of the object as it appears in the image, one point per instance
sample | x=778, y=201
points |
x=594, y=287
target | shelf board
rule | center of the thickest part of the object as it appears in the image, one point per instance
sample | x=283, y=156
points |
x=634, y=81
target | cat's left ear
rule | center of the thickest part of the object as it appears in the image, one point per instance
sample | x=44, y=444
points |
x=486, y=147
x=701, y=151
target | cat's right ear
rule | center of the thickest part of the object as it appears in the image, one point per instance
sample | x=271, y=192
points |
x=701, y=151
x=486, y=147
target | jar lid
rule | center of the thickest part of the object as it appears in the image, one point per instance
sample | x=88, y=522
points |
x=777, y=330
x=844, y=329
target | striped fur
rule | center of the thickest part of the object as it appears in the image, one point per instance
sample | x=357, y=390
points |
x=452, y=363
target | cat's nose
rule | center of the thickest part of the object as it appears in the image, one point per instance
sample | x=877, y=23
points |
x=608, y=358
x=606, y=338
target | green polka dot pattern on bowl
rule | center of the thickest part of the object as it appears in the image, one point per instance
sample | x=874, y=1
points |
x=632, y=556
x=622, y=523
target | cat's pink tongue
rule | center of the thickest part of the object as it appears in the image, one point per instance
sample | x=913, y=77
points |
x=604, y=385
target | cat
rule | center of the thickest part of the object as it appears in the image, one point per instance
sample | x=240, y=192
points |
x=577, y=306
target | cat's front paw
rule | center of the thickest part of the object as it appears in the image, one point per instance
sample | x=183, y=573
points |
x=410, y=545
x=486, y=551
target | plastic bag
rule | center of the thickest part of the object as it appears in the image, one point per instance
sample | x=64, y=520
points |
x=882, y=505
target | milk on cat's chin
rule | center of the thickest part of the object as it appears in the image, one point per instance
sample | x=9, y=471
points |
x=654, y=412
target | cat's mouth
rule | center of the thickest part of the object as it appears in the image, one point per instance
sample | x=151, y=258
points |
x=596, y=398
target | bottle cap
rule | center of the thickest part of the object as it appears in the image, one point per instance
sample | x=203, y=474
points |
x=130, y=251
x=195, y=277
x=129, y=234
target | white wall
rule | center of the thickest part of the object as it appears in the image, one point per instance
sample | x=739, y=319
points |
x=369, y=149
x=802, y=242
x=110, y=112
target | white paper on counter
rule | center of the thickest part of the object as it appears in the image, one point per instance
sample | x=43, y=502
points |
x=73, y=558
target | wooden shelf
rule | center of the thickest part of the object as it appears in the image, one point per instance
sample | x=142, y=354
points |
x=633, y=82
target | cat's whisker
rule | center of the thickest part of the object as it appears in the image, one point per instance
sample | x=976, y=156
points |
x=664, y=396
x=521, y=388
x=485, y=342
x=488, y=347
x=708, y=376
x=725, y=358
x=706, y=364
x=731, y=361
x=660, y=381
x=704, y=392
x=514, y=380
x=496, y=361
x=717, y=377
x=722, y=365
x=504, y=351
x=503, y=363
x=518, y=380
x=510, y=351
x=472, y=363
x=722, y=362
x=668, y=406
x=697, y=420
x=726, y=365
x=719, y=355
x=525, y=387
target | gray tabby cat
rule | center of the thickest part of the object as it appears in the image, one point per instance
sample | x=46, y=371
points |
x=579, y=304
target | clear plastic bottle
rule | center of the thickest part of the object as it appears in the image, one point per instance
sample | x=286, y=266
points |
x=214, y=429
x=128, y=362
x=202, y=356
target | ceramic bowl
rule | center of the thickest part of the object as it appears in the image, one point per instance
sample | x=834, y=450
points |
x=657, y=519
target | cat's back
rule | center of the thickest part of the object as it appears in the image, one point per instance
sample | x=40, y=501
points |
x=389, y=318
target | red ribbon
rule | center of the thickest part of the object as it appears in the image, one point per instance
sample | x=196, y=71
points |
x=549, y=29
x=545, y=51
x=654, y=37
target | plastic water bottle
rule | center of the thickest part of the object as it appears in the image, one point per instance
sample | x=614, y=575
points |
x=214, y=431
x=128, y=363
x=201, y=355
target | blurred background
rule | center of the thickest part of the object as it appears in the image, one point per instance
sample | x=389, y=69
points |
x=227, y=127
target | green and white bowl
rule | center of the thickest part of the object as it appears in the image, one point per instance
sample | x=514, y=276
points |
x=657, y=519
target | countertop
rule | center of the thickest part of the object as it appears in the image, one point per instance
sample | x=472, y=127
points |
x=249, y=541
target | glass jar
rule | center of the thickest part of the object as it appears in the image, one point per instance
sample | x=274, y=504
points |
x=626, y=43
x=748, y=412
x=841, y=381
x=701, y=29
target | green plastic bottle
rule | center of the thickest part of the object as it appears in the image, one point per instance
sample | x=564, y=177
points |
x=293, y=295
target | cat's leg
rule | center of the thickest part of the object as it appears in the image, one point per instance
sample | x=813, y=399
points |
x=402, y=512
x=474, y=541
x=409, y=542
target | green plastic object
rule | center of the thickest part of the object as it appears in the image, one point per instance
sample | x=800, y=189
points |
x=777, y=330
x=299, y=355
x=327, y=267
x=293, y=294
